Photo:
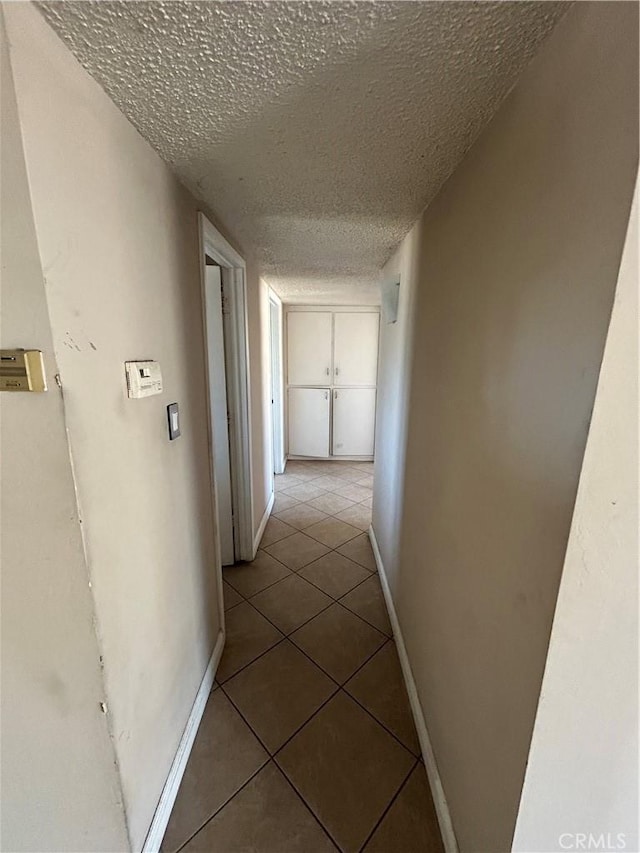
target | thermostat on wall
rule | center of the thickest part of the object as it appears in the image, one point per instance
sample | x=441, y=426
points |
x=143, y=378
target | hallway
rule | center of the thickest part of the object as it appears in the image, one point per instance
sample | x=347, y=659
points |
x=243, y=235
x=307, y=738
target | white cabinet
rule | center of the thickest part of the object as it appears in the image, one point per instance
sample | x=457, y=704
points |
x=337, y=352
x=309, y=337
x=355, y=359
x=354, y=415
x=309, y=421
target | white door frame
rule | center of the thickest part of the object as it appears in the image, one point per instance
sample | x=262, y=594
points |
x=276, y=354
x=212, y=243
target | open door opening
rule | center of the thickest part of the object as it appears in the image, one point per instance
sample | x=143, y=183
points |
x=226, y=344
x=219, y=408
x=277, y=412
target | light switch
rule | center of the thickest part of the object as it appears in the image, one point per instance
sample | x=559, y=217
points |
x=143, y=378
x=173, y=416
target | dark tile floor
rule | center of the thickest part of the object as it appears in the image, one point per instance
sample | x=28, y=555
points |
x=307, y=742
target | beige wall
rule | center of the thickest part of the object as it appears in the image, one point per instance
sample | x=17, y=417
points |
x=266, y=439
x=582, y=773
x=515, y=269
x=60, y=786
x=259, y=370
x=118, y=239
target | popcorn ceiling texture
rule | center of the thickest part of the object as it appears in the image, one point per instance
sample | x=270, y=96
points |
x=316, y=131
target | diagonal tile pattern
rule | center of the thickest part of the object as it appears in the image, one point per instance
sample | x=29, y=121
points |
x=307, y=743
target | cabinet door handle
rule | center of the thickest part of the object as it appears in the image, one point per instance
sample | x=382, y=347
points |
x=335, y=395
x=326, y=395
x=337, y=370
x=328, y=371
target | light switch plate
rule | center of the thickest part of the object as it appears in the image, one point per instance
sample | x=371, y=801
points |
x=173, y=417
x=144, y=379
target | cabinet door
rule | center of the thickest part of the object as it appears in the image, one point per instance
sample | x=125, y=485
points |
x=309, y=421
x=309, y=347
x=354, y=418
x=355, y=358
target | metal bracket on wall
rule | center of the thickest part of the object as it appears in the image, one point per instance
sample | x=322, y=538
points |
x=22, y=370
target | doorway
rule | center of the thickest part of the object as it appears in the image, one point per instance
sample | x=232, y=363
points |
x=226, y=345
x=276, y=376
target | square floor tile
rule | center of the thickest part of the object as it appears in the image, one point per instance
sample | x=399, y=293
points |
x=348, y=475
x=285, y=481
x=334, y=574
x=267, y=816
x=331, y=503
x=358, y=516
x=225, y=754
x=328, y=467
x=275, y=530
x=290, y=603
x=304, y=492
x=248, y=634
x=366, y=480
x=411, y=824
x=367, y=601
x=332, y=532
x=301, y=515
x=230, y=596
x=379, y=686
x=328, y=483
x=355, y=493
x=360, y=550
x=338, y=641
x=297, y=551
x=303, y=473
x=279, y=692
x=283, y=502
x=347, y=768
x=249, y=578
x=363, y=467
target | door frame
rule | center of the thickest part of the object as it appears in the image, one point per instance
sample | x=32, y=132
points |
x=276, y=354
x=235, y=320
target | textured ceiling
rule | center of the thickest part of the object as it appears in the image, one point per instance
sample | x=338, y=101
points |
x=316, y=131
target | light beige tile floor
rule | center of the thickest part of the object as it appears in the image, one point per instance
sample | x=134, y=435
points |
x=307, y=743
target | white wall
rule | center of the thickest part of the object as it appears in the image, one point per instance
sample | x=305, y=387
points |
x=266, y=422
x=118, y=240
x=259, y=370
x=582, y=774
x=514, y=269
x=60, y=785
x=392, y=408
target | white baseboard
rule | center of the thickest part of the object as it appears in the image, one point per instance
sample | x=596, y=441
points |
x=170, y=791
x=263, y=523
x=437, y=791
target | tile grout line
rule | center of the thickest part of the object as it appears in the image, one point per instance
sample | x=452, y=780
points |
x=284, y=637
x=392, y=801
x=226, y=802
x=308, y=807
x=337, y=683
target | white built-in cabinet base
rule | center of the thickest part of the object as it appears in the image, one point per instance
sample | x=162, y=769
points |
x=354, y=417
x=309, y=413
